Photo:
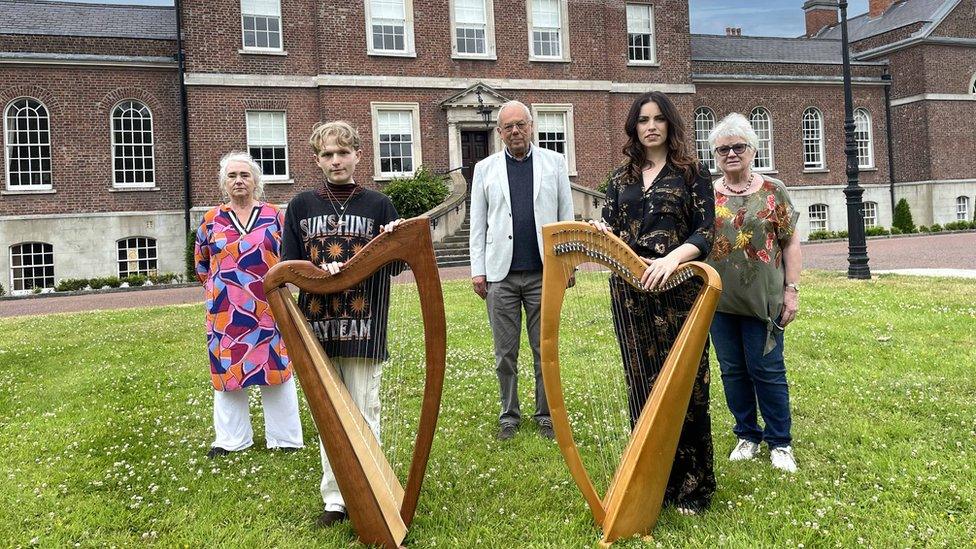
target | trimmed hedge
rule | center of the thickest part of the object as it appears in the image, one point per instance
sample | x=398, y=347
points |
x=413, y=196
x=71, y=284
x=2, y=291
x=903, y=217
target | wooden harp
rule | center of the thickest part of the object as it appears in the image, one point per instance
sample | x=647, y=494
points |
x=379, y=507
x=633, y=498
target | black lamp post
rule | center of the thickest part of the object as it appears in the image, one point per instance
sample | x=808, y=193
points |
x=857, y=257
x=483, y=110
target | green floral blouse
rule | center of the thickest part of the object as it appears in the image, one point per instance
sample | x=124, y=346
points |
x=748, y=254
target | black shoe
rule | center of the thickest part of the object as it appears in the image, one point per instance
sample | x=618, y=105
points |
x=507, y=431
x=545, y=431
x=217, y=451
x=330, y=518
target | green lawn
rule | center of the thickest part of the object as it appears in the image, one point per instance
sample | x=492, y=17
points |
x=105, y=419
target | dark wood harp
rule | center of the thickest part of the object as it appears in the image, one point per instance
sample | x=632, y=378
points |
x=633, y=500
x=379, y=508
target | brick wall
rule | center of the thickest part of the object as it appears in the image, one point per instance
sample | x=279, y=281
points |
x=86, y=45
x=79, y=103
x=960, y=23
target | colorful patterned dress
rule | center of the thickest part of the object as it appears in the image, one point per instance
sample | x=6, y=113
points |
x=232, y=258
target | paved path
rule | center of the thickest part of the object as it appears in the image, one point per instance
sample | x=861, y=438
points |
x=937, y=255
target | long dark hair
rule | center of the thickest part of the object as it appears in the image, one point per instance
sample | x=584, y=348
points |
x=679, y=153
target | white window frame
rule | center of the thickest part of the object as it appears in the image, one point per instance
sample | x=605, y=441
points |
x=972, y=85
x=13, y=269
x=822, y=212
x=563, y=56
x=705, y=115
x=255, y=141
x=409, y=48
x=962, y=208
x=566, y=109
x=642, y=62
x=812, y=134
x=864, y=139
x=8, y=146
x=152, y=252
x=376, y=108
x=765, y=142
x=269, y=15
x=115, y=144
x=489, y=6
x=870, y=214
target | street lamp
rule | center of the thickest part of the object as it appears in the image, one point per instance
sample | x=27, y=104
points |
x=483, y=110
x=857, y=257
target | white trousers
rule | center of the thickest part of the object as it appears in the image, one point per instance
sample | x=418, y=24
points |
x=282, y=426
x=362, y=378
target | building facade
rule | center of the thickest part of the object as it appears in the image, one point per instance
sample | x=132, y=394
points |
x=94, y=185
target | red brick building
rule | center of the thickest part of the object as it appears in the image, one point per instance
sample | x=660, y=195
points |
x=409, y=74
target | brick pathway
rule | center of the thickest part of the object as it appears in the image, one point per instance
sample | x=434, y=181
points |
x=942, y=251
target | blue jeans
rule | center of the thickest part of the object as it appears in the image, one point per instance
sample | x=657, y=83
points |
x=749, y=377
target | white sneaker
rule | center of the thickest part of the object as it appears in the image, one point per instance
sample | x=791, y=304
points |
x=783, y=459
x=744, y=450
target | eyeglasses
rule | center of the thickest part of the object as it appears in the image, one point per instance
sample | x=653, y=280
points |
x=521, y=125
x=738, y=148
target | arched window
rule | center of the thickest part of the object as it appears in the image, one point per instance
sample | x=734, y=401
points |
x=962, y=208
x=132, y=145
x=704, y=122
x=818, y=217
x=762, y=122
x=863, y=138
x=813, y=140
x=31, y=266
x=28, y=145
x=870, y=214
x=137, y=255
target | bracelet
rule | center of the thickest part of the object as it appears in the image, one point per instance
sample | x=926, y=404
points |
x=794, y=285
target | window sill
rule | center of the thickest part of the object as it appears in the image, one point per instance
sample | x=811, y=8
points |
x=132, y=189
x=463, y=57
x=28, y=191
x=549, y=59
x=392, y=53
x=816, y=170
x=643, y=64
x=249, y=51
x=869, y=169
x=765, y=172
x=387, y=177
x=269, y=181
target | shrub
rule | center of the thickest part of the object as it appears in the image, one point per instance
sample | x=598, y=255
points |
x=840, y=234
x=957, y=226
x=165, y=278
x=135, y=280
x=412, y=196
x=895, y=230
x=936, y=228
x=71, y=284
x=923, y=229
x=2, y=291
x=875, y=231
x=820, y=235
x=37, y=290
x=972, y=225
x=191, y=264
x=98, y=283
x=903, y=217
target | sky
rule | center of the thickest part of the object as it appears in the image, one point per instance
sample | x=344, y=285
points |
x=755, y=17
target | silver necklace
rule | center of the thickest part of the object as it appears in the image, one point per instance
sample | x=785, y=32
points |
x=342, y=206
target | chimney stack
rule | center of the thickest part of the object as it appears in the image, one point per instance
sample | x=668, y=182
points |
x=878, y=7
x=820, y=14
x=733, y=31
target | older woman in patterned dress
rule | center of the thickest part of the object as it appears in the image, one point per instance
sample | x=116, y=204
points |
x=660, y=203
x=235, y=246
x=757, y=254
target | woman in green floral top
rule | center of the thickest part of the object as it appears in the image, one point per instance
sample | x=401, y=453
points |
x=660, y=203
x=757, y=254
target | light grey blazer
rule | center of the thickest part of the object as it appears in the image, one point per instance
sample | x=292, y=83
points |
x=491, y=208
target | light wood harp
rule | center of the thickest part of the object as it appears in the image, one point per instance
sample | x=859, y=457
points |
x=633, y=498
x=379, y=507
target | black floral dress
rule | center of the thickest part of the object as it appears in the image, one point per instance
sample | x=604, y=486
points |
x=653, y=223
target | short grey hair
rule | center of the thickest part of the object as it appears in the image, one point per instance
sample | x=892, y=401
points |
x=734, y=125
x=240, y=156
x=516, y=103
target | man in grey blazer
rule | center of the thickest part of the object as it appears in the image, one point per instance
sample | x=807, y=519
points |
x=514, y=193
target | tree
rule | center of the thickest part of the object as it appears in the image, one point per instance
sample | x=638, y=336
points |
x=903, y=217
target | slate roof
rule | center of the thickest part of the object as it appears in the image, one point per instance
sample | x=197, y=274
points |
x=764, y=49
x=900, y=14
x=100, y=20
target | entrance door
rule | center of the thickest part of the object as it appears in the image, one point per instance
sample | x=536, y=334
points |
x=474, y=147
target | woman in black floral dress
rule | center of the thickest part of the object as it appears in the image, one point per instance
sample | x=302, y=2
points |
x=660, y=203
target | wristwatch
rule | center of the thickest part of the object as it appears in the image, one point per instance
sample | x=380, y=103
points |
x=794, y=285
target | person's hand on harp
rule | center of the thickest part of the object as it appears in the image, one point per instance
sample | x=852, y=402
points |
x=658, y=271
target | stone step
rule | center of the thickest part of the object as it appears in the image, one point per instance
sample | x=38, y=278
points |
x=453, y=263
x=454, y=245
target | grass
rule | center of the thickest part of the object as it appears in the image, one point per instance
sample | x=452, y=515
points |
x=105, y=418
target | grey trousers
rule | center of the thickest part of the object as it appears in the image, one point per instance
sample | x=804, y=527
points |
x=506, y=299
